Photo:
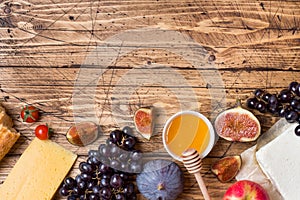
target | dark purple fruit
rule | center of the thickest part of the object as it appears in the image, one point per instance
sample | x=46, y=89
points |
x=106, y=193
x=297, y=91
x=273, y=100
x=285, y=96
x=283, y=110
x=258, y=93
x=297, y=130
x=116, y=181
x=293, y=85
x=160, y=179
x=266, y=97
x=291, y=116
x=261, y=106
x=129, y=142
x=116, y=136
x=295, y=104
x=252, y=103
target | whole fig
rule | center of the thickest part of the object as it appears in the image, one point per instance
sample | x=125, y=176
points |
x=160, y=180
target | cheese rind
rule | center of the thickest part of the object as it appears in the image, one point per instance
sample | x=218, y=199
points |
x=38, y=173
x=280, y=161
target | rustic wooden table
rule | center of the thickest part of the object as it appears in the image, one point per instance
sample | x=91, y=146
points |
x=101, y=60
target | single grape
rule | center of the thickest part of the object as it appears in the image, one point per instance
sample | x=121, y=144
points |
x=129, y=142
x=297, y=130
x=136, y=155
x=285, y=96
x=297, y=91
x=252, y=103
x=93, y=153
x=78, y=178
x=109, y=141
x=78, y=191
x=124, y=176
x=70, y=182
x=120, y=196
x=258, y=93
x=291, y=116
x=72, y=197
x=93, y=161
x=64, y=191
x=135, y=167
x=114, y=151
x=86, y=177
x=129, y=189
x=91, y=184
x=283, y=110
x=106, y=176
x=105, y=192
x=82, y=197
x=293, y=86
x=115, y=164
x=105, y=169
x=261, y=106
x=273, y=109
x=124, y=156
x=96, y=189
x=273, y=100
x=104, y=150
x=85, y=168
x=266, y=97
x=116, y=181
x=295, y=104
x=82, y=185
x=127, y=130
x=116, y=136
x=93, y=197
x=124, y=166
x=105, y=182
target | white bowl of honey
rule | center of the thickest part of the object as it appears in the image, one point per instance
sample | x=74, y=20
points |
x=188, y=129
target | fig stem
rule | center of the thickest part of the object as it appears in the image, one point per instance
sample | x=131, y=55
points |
x=238, y=102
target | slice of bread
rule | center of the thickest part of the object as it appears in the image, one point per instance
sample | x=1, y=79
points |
x=8, y=135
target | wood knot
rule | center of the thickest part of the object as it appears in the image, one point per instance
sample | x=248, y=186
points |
x=192, y=161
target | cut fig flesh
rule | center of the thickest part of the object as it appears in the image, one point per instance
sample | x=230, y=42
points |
x=237, y=124
x=143, y=122
x=226, y=168
x=82, y=133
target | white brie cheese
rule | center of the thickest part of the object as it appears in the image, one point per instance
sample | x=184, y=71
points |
x=280, y=161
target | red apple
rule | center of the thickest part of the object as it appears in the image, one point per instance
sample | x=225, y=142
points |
x=246, y=190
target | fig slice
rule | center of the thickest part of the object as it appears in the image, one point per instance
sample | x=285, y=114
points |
x=226, y=168
x=82, y=133
x=143, y=121
x=237, y=124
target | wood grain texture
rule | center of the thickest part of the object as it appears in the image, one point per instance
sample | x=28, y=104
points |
x=47, y=57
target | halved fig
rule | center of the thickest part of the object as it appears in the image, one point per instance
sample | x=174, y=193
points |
x=237, y=124
x=226, y=168
x=82, y=133
x=143, y=122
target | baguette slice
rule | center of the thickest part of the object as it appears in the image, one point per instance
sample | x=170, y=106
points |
x=5, y=120
x=8, y=135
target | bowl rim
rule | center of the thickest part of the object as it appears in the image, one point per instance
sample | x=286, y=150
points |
x=212, y=138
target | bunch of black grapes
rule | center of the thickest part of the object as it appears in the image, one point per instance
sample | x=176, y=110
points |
x=107, y=173
x=285, y=104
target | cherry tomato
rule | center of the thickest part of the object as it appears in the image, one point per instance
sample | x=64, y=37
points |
x=29, y=114
x=43, y=132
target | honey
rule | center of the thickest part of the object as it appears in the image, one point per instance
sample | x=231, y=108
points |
x=187, y=131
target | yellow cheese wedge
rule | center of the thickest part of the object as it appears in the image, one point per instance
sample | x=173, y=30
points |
x=38, y=173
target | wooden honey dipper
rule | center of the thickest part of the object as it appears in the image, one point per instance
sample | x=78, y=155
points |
x=192, y=162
